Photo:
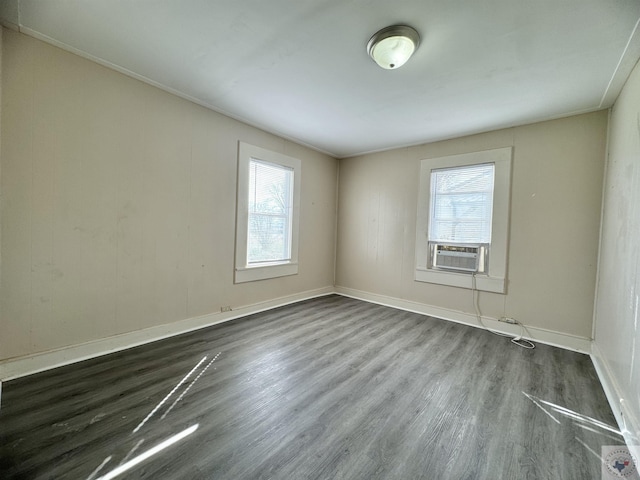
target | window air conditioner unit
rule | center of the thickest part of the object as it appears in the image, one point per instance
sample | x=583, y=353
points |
x=458, y=258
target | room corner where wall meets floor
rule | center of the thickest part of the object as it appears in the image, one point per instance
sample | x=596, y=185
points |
x=42, y=361
x=548, y=337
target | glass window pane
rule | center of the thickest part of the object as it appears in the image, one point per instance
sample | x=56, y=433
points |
x=270, y=198
x=462, y=204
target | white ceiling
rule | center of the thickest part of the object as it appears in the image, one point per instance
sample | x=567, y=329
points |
x=299, y=68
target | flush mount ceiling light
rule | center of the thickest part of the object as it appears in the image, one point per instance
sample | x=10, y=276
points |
x=391, y=47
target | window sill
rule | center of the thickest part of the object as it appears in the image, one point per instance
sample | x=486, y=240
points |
x=263, y=272
x=462, y=280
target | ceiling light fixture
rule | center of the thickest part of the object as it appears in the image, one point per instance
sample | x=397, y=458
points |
x=392, y=46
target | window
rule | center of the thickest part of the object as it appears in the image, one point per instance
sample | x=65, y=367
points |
x=268, y=212
x=460, y=218
x=462, y=222
x=461, y=204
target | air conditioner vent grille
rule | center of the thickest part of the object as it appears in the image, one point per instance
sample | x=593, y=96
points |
x=459, y=258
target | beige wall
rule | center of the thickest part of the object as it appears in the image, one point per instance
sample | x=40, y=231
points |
x=555, y=214
x=118, y=204
x=118, y=211
x=617, y=318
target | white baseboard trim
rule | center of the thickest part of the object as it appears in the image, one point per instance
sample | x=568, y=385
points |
x=38, y=362
x=627, y=421
x=549, y=337
x=29, y=364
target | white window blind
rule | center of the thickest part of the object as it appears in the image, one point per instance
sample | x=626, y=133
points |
x=461, y=204
x=270, y=211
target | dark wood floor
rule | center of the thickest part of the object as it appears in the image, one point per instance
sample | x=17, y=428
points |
x=327, y=388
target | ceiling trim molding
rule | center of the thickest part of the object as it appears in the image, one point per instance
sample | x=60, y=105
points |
x=136, y=76
x=623, y=69
x=358, y=136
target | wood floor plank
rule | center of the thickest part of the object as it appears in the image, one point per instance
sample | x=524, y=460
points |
x=329, y=388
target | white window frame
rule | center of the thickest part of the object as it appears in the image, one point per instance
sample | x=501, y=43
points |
x=245, y=272
x=495, y=278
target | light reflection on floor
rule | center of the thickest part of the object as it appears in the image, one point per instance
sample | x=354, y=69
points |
x=148, y=454
x=586, y=423
x=141, y=424
x=125, y=463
